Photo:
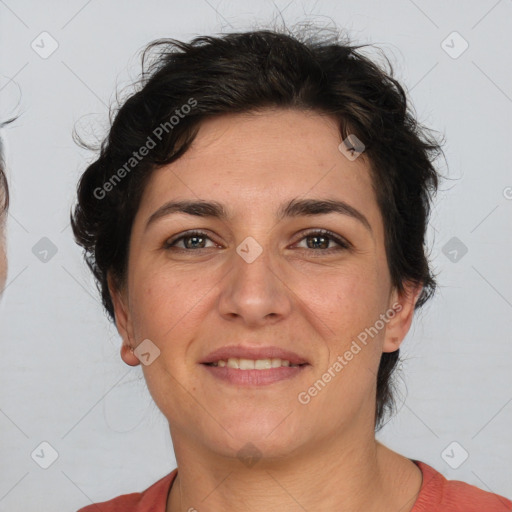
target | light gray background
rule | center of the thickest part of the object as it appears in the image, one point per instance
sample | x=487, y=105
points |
x=61, y=378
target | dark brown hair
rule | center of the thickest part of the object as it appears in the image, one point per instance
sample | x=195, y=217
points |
x=243, y=72
x=4, y=188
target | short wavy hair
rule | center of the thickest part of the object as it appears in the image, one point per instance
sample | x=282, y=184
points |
x=250, y=71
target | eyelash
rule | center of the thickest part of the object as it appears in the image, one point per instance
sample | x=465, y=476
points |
x=342, y=244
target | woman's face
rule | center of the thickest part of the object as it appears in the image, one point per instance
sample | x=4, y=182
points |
x=259, y=279
x=3, y=257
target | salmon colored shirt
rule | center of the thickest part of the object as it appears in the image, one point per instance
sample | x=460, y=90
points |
x=437, y=494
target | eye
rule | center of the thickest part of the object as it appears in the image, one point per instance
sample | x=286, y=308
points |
x=191, y=240
x=321, y=238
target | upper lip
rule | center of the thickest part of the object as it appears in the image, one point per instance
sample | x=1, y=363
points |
x=244, y=352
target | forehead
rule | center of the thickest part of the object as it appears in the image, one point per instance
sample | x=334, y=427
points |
x=249, y=159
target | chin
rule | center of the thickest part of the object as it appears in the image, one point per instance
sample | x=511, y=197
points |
x=270, y=436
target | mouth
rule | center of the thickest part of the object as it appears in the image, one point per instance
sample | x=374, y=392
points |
x=249, y=367
x=253, y=358
x=250, y=377
x=254, y=364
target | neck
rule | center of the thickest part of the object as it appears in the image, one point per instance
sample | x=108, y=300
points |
x=351, y=473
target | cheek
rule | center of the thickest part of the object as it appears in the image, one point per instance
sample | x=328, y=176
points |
x=349, y=297
x=164, y=302
x=351, y=305
x=3, y=268
x=3, y=260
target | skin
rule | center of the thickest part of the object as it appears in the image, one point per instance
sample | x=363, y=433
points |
x=319, y=456
x=3, y=257
x=3, y=260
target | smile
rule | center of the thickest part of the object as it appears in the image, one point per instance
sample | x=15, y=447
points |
x=253, y=364
x=253, y=372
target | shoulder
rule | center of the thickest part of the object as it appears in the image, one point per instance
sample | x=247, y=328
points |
x=437, y=494
x=153, y=498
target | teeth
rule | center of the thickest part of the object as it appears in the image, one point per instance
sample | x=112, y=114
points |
x=253, y=364
x=232, y=363
x=263, y=364
x=245, y=364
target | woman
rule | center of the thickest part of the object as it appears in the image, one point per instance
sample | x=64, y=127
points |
x=256, y=223
x=4, y=204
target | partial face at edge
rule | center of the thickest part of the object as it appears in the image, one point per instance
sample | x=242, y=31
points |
x=3, y=256
x=304, y=293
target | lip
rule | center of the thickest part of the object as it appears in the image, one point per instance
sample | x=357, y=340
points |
x=240, y=351
x=251, y=378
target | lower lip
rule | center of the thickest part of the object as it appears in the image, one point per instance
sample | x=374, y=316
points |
x=254, y=377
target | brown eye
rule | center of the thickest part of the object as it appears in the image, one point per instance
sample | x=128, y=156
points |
x=191, y=240
x=320, y=240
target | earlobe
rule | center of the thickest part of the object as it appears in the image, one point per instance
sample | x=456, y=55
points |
x=401, y=314
x=128, y=356
x=123, y=324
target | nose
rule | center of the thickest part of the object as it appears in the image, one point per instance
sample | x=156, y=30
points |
x=254, y=292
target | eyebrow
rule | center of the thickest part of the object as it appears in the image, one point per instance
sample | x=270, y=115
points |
x=294, y=208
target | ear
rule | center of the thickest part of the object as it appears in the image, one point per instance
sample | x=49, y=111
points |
x=123, y=323
x=402, y=304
